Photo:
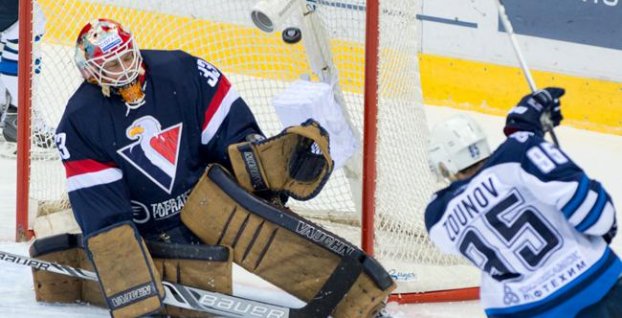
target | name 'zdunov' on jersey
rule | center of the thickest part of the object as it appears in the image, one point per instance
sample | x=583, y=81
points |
x=532, y=221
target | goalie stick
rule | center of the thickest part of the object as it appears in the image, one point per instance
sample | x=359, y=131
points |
x=220, y=304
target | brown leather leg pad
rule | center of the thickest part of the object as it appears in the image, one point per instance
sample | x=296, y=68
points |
x=278, y=255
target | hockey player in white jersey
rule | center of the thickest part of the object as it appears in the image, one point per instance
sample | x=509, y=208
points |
x=530, y=218
x=9, y=51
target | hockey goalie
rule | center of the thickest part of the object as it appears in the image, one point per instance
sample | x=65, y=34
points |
x=170, y=178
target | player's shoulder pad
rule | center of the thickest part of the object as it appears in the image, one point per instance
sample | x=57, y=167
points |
x=165, y=61
x=86, y=105
x=513, y=149
x=85, y=97
x=538, y=157
x=439, y=201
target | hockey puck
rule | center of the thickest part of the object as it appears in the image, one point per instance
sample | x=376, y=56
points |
x=292, y=35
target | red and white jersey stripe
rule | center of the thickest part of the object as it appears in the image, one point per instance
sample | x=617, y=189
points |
x=218, y=109
x=89, y=173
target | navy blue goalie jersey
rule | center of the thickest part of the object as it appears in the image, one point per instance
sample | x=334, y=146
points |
x=141, y=164
x=532, y=221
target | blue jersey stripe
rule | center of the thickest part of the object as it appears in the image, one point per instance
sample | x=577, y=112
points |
x=578, y=197
x=8, y=67
x=582, y=292
x=10, y=50
x=597, y=210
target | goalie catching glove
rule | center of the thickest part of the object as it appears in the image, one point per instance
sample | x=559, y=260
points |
x=297, y=162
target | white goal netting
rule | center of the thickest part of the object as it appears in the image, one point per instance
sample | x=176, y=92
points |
x=260, y=65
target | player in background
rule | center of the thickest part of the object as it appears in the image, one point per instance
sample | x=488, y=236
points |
x=531, y=219
x=9, y=47
x=136, y=139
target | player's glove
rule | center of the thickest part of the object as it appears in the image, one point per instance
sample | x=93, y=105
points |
x=536, y=112
x=611, y=233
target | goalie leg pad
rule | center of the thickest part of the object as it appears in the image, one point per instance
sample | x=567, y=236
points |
x=63, y=249
x=291, y=256
x=51, y=287
x=127, y=276
x=297, y=161
x=200, y=266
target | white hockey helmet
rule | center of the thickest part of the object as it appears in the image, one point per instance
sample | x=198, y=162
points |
x=456, y=144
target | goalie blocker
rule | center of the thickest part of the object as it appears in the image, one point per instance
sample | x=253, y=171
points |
x=199, y=266
x=284, y=248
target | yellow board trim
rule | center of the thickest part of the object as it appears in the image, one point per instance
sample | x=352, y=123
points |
x=492, y=89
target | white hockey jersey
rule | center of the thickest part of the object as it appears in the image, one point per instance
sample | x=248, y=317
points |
x=532, y=221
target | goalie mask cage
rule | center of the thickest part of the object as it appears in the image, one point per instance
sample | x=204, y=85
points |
x=375, y=76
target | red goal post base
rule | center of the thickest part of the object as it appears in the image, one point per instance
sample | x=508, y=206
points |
x=24, y=235
x=462, y=294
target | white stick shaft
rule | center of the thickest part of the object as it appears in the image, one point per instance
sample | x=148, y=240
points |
x=547, y=124
x=505, y=20
x=176, y=295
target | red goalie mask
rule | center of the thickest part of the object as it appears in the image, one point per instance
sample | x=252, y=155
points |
x=107, y=55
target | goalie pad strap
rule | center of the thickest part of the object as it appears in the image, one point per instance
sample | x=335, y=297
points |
x=127, y=276
x=65, y=241
x=299, y=226
x=257, y=179
x=200, y=266
x=216, y=253
x=335, y=288
x=55, y=243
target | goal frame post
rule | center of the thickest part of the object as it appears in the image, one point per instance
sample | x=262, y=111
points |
x=370, y=136
x=24, y=87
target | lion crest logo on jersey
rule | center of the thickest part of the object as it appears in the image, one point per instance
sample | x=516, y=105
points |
x=155, y=152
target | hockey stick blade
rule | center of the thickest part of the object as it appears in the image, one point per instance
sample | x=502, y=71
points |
x=178, y=295
x=225, y=305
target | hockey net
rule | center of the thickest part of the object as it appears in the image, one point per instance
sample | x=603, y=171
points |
x=261, y=65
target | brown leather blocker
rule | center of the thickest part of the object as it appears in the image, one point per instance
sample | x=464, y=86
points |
x=278, y=255
x=127, y=276
x=287, y=162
